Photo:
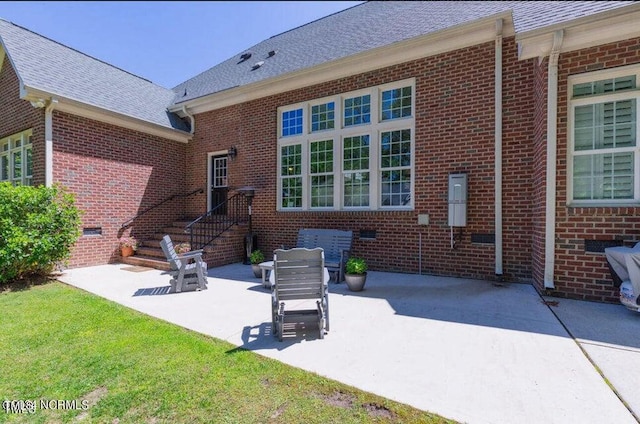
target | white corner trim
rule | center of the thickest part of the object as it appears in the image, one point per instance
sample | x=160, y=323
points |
x=498, y=147
x=614, y=25
x=552, y=141
x=48, y=141
x=477, y=32
x=96, y=113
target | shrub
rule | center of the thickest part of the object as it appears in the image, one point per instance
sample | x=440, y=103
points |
x=38, y=227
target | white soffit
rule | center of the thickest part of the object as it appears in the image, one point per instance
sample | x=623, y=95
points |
x=615, y=25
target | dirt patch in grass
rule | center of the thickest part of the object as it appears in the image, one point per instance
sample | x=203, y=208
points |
x=348, y=401
x=339, y=399
x=279, y=411
x=92, y=398
x=376, y=410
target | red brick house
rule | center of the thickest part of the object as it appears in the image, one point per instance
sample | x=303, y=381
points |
x=367, y=120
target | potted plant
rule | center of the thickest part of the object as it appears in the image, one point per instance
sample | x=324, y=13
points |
x=355, y=273
x=128, y=245
x=256, y=258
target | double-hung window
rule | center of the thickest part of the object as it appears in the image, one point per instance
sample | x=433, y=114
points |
x=16, y=161
x=352, y=151
x=603, y=131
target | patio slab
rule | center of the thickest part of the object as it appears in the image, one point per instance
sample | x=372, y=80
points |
x=465, y=349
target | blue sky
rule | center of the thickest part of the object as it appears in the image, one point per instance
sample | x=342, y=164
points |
x=166, y=42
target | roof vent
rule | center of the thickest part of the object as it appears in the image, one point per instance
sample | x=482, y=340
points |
x=244, y=56
x=272, y=53
x=257, y=65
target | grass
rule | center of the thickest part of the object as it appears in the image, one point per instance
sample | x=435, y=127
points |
x=60, y=343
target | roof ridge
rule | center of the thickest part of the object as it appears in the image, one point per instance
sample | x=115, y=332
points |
x=82, y=53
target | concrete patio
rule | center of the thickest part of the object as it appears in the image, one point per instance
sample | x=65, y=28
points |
x=464, y=349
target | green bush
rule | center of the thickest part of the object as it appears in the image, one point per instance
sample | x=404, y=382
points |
x=38, y=227
x=356, y=266
x=256, y=257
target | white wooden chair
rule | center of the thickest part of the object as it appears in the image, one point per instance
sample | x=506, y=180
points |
x=188, y=270
x=298, y=275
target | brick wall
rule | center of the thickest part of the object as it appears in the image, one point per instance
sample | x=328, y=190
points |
x=454, y=133
x=116, y=173
x=17, y=115
x=579, y=274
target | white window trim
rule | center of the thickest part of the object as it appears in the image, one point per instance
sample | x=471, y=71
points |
x=374, y=129
x=23, y=148
x=595, y=99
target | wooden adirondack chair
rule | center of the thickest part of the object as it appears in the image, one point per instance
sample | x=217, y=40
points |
x=298, y=275
x=188, y=270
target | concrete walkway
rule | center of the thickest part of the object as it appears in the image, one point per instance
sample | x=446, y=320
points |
x=464, y=349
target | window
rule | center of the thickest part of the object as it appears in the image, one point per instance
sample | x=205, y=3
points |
x=292, y=122
x=16, y=159
x=395, y=156
x=396, y=103
x=353, y=151
x=291, y=176
x=323, y=116
x=357, y=110
x=321, y=172
x=603, y=157
x=356, y=170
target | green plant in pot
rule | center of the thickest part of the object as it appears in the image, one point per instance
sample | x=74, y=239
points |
x=355, y=273
x=256, y=258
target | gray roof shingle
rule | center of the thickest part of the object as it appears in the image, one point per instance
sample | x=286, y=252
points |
x=54, y=68
x=370, y=25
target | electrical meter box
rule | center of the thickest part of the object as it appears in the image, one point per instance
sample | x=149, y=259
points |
x=457, y=200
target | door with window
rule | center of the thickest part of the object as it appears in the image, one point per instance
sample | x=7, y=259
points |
x=219, y=188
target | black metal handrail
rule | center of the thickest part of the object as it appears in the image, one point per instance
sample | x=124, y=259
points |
x=209, y=226
x=168, y=199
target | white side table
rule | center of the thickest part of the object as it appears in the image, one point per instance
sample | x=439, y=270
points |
x=266, y=266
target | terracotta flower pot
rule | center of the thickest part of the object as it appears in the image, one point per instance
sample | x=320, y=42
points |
x=126, y=251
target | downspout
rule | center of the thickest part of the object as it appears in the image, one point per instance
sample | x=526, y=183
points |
x=498, y=149
x=48, y=141
x=192, y=120
x=552, y=142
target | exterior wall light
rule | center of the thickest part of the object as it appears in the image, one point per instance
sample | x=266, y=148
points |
x=232, y=152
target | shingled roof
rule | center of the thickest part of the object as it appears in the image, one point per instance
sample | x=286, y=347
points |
x=46, y=65
x=371, y=25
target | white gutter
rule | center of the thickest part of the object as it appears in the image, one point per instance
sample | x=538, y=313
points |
x=498, y=148
x=191, y=119
x=552, y=141
x=98, y=113
x=48, y=142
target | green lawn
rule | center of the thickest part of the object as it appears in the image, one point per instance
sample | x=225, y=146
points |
x=58, y=343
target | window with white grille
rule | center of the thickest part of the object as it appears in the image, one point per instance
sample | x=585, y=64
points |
x=354, y=150
x=16, y=159
x=603, y=132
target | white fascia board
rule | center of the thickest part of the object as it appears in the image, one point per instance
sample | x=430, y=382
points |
x=96, y=113
x=455, y=38
x=608, y=27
